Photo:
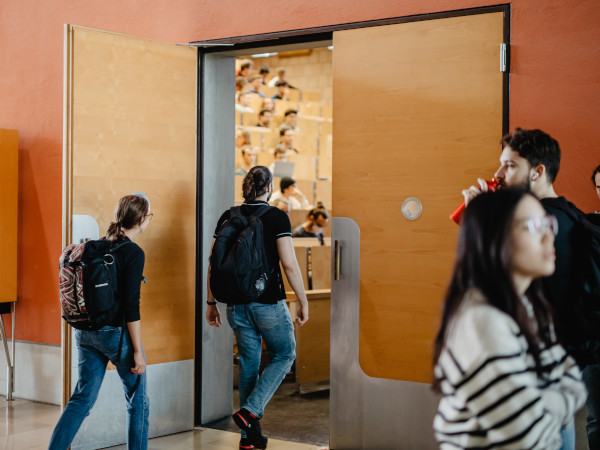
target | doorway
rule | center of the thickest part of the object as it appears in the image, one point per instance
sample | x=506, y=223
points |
x=405, y=94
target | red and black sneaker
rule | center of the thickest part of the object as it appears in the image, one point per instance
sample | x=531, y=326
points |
x=251, y=425
x=246, y=444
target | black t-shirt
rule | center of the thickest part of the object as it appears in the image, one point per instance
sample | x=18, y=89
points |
x=276, y=224
x=130, y=260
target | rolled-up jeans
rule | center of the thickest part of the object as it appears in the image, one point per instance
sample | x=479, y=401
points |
x=250, y=323
x=95, y=349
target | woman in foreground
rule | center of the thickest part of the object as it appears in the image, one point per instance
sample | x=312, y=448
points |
x=505, y=380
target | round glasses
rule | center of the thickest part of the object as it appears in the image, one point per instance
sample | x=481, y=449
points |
x=539, y=225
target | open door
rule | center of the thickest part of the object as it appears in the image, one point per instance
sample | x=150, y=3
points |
x=130, y=125
x=418, y=111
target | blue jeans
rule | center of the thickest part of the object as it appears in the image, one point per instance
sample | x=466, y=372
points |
x=567, y=435
x=95, y=349
x=272, y=323
x=591, y=378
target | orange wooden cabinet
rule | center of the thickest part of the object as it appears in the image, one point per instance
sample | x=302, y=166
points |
x=9, y=190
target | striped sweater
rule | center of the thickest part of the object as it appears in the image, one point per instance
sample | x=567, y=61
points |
x=492, y=396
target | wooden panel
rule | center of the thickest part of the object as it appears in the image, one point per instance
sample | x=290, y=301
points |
x=134, y=129
x=306, y=166
x=310, y=109
x=324, y=189
x=297, y=217
x=321, y=267
x=420, y=116
x=9, y=194
x=312, y=343
x=311, y=96
x=239, y=180
x=281, y=106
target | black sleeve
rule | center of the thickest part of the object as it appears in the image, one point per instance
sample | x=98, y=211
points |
x=281, y=224
x=131, y=277
x=220, y=222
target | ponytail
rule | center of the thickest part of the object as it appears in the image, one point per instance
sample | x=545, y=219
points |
x=130, y=211
x=318, y=211
x=256, y=183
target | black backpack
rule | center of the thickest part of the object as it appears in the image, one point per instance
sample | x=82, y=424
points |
x=88, y=284
x=239, y=268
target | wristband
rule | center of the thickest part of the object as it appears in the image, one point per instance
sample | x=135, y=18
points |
x=211, y=303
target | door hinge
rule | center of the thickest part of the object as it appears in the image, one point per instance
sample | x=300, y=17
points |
x=503, y=57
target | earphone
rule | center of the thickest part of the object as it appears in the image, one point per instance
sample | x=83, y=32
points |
x=535, y=176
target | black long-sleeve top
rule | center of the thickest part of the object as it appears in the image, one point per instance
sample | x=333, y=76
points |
x=130, y=260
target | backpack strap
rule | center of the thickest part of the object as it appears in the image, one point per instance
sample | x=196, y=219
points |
x=260, y=211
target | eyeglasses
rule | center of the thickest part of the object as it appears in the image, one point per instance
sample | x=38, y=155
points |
x=150, y=216
x=539, y=225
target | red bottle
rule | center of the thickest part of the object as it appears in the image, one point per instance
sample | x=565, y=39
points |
x=457, y=214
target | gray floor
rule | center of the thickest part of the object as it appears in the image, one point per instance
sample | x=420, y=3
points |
x=290, y=416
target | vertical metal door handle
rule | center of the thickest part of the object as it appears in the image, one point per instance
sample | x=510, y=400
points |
x=337, y=272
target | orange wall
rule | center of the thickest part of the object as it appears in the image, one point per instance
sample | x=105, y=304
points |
x=554, y=87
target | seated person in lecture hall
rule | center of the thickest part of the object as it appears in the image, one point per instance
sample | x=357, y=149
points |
x=316, y=220
x=245, y=70
x=243, y=104
x=289, y=191
x=242, y=138
x=282, y=91
x=256, y=81
x=505, y=380
x=289, y=119
x=286, y=139
x=248, y=160
x=279, y=154
x=280, y=71
x=283, y=204
x=264, y=72
x=268, y=103
x=240, y=82
x=264, y=118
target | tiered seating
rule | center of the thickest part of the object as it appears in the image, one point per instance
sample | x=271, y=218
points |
x=313, y=164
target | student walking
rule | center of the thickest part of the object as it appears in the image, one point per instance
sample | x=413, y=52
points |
x=266, y=316
x=119, y=342
x=506, y=382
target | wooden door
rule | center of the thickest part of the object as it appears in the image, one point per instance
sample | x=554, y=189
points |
x=131, y=109
x=418, y=113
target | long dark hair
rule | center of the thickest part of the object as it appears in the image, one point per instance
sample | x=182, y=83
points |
x=483, y=261
x=318, y=211
x=130, y=211
x=256, y=182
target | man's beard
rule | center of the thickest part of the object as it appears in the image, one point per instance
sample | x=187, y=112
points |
x=525, y=184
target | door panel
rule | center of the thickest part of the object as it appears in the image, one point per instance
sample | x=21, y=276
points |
x=131, y=108
x=418, y=113
x=134, y=129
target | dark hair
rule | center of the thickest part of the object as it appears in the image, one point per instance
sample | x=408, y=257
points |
x=244, y=148
x=279, y=149
x=263, y=111
x=286, y=182
x=130, y=211
x=537, y=148
x=256, y=182
x=318, y=211
x=283, y=129
x=281, y=83
x=290, y=111
x=245, y=65
x=483, y=261
x=264, y=69
x=596, y=170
